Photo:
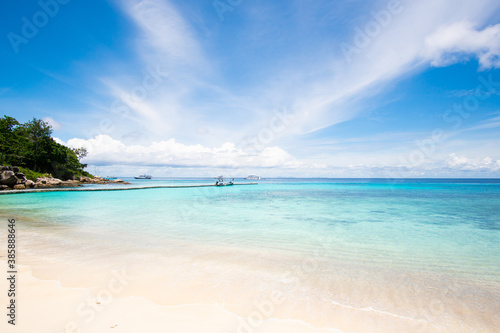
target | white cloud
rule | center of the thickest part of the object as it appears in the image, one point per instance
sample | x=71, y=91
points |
x=163, y=29
x=420, y=33
x=104, y=150
x=55, y=125
x=455, y=42
x=464, y=163
x=187, y=96
x=171, y=158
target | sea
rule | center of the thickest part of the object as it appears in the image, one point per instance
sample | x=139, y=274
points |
x=346, y=255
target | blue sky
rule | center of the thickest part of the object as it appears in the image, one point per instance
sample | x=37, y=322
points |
x=277, y=88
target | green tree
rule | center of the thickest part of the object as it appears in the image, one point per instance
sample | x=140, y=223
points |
x=80, y=152
x=38, y=133
x=8, y=126
x=30, y=145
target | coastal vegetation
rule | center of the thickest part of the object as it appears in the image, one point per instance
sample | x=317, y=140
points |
x=31, y=147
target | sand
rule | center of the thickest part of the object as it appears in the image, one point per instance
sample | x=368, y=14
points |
x=46, y=306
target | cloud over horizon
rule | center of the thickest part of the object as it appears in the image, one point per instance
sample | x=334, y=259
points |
x=103, y=150
x=163, y=156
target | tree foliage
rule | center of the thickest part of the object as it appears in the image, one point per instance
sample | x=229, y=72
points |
x=80, y=152
x=8, y=127
x=31, y=146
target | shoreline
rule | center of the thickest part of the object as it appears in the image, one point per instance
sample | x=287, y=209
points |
x=73, y=189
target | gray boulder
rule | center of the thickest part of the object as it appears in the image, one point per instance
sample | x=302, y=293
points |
x=8, y=178
x=119, y=181
x=48, y=182
x=70, y=183
x=6, y=174
x=21, y=178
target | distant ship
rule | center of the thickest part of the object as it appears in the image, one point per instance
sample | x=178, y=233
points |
x=253, y=177
x=143, y=177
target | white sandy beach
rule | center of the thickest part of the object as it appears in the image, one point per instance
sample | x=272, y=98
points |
x=46, y=306
x=117, y=302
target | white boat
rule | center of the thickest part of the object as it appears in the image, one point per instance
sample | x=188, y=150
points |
x=253, y=177
x=143, y=177
x=220, y=182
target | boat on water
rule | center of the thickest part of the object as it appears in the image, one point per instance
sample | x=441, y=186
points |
x=220, y=182
x=143, y=177
x=225, y=184
x=253, y=177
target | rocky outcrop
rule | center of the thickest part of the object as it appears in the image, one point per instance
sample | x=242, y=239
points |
x=8, y=177
x=12, y=178
x=47, y=182
x=95, y=180
x=99, y=180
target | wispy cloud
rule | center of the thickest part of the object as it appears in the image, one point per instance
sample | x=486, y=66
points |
x=458, y=41
x=474, y=92
x=407, y=44
x=320, y=94
x=163, y=30
x=189, y=100
x=54, y=124
x=486, y=124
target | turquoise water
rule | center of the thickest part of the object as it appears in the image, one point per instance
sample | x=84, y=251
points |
x=395, y=248
x=450, y=225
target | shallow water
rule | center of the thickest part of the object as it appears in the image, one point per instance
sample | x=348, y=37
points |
x=353, y=255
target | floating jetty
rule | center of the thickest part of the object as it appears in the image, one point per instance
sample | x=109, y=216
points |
x=124, y=188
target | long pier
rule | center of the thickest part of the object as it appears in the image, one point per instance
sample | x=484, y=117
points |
x=124, y=188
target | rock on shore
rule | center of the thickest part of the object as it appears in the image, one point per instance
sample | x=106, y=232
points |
x=11, y=178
